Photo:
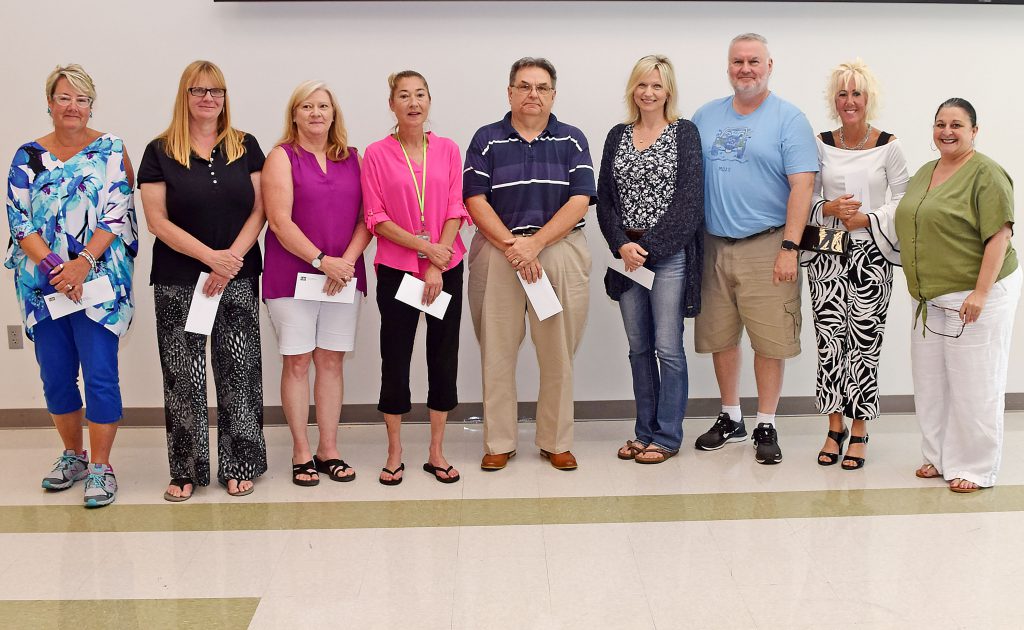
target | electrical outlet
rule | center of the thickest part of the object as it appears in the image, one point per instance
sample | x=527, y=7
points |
x=15, y=340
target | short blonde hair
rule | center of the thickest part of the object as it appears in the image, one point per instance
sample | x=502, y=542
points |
x=668, y=80
x=177, y=142
x=337, y=135
x=76, y=76
x=863, y=80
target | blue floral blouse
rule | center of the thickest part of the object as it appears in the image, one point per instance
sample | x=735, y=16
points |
x=65, y=203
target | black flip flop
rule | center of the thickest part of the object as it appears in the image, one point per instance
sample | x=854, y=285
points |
x=181, y=482
x=331, y=468
x=436, y=469
x=393, y=481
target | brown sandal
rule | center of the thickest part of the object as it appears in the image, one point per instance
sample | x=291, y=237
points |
x=630, y=450
x=927, y=471
x=658, y=455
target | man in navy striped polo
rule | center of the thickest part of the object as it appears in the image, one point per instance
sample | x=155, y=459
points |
x=528, y=183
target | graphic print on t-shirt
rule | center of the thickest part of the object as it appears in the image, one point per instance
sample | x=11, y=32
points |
x=730, y=144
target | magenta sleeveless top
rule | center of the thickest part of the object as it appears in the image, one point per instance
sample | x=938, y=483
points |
x=326, y=209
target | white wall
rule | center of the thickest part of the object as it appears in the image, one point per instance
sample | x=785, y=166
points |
x=135, y=51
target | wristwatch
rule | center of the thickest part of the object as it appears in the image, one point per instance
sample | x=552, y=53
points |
x=790, y=245
x=316, y=262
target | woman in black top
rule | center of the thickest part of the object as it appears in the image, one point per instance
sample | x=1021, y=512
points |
x=201, y=191
x=651, y=209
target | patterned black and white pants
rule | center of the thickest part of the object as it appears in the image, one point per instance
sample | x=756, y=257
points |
x=237, y=374
x=849, y=300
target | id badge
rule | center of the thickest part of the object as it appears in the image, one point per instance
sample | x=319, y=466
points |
x=425, y=235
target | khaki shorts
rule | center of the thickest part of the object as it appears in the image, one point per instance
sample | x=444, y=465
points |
x=738, y=293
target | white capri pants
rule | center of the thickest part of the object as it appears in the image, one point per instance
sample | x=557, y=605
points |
x=304, y=325
x=960, y=383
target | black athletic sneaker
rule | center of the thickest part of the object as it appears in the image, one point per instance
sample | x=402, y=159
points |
x=766, y=444
x=724, y=430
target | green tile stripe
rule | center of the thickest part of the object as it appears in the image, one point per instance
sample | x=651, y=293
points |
x=475, y=512
x=152, y=614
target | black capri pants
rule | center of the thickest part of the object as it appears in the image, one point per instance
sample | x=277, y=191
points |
x=398, y=322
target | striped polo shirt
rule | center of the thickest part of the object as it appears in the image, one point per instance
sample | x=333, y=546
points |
x=527, y=182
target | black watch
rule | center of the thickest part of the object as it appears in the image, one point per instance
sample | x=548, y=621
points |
x=790, y=245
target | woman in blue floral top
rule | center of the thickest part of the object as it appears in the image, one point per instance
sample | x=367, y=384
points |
x=73, y=233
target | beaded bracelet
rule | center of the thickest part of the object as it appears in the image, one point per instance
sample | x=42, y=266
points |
x=89, y=257
x=50, y=262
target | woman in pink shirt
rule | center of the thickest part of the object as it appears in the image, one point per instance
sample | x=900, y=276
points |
x=412, y=199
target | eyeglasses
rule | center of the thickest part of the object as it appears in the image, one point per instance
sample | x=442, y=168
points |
x=542, y=89
x=65, y=99
x=945, y=318
x=200, y=92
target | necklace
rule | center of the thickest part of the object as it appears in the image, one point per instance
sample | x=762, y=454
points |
x=640, y=140
x=860, y=145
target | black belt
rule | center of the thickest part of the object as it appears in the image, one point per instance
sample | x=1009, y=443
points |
x=730, y=240
x=530, y=231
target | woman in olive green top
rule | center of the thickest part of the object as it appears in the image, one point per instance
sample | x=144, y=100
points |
x=954, y=226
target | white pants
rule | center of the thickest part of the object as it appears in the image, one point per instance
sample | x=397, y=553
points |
x=960, y=383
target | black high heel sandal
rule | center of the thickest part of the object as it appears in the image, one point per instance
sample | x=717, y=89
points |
x=839, y=438
x=858, y=462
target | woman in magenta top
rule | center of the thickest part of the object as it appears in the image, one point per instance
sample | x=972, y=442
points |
x=412, y=196
x=313, y=201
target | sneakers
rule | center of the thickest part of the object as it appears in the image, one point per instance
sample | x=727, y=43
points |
x=724, y=430
x=766, y=444
x=100, y=486
x=71, y=467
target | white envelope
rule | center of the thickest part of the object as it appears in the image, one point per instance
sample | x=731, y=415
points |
x=411, y=292
x=94, y=292
x=310, y=286
x=203, y=310
x=641, y=275
x=542, y=297
x=857, y=185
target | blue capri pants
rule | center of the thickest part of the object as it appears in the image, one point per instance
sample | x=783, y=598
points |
x=62, y=346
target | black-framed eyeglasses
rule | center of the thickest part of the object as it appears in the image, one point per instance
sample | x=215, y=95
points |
x=963, y=324
x=200, y=92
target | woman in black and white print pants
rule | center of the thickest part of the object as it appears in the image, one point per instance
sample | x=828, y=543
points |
x=862, y=176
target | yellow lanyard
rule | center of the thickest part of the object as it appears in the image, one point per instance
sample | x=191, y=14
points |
x=421, y=193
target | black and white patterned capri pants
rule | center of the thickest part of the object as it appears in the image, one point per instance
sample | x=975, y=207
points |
x=237, y=374
x=849, y=299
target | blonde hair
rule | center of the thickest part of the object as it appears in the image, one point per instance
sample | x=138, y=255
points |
x=177, y=142
x=337, y=136
x=668, y=80
x=395, y=77
x=76, y=76
x=863, y=80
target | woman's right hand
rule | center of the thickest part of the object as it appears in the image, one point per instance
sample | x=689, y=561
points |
x=633, y=256
x=842, y=208
x=224, y=262
x=338, y=269
x=439, y=255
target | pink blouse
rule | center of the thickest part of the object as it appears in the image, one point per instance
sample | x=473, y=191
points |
x=390, y=195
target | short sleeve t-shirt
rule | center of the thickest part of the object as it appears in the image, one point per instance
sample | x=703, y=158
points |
x=211, y=201
x=747, y=161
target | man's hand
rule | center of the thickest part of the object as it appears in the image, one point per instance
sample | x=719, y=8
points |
x=531, y=272
x=522, y=250
x=785, y=266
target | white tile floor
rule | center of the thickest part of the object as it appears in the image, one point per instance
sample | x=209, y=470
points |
x=916, y=571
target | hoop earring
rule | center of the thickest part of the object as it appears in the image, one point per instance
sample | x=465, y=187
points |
x=934, y=148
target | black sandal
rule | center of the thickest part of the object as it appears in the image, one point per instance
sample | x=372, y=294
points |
x=305, y=469
x=839, y=438
x=434, y=470
x=331, y=468
x=394, y=481
x=180, y=482
x=858, y=462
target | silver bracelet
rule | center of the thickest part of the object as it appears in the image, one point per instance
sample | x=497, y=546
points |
x=89, y=257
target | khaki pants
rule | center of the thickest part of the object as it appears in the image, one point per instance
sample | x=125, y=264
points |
x=499, y=307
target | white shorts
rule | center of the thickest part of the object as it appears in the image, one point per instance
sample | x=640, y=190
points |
x=303, y=325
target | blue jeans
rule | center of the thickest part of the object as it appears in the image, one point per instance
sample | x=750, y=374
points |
x=654, y=330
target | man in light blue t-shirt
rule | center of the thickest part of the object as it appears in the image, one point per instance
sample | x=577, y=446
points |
x=759, y=166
